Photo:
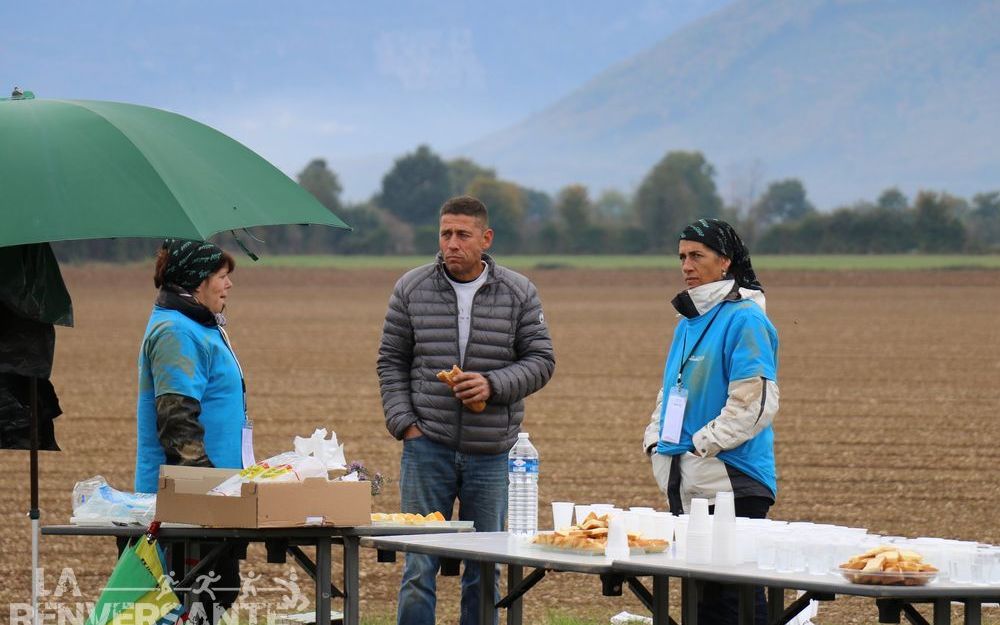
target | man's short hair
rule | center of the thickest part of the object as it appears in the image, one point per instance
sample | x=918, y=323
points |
x=467, y=205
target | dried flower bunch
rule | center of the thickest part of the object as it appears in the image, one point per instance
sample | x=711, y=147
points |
x=376, y=479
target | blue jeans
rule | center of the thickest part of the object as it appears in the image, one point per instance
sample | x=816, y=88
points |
x=431, y=477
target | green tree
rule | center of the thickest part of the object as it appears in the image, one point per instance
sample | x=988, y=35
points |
x=370, y=235
x=678, y=190
x=983, y=222
x=537, y=205
x=322, y=182
x=893, y=200
x=579, y=233
x=416, y=187
x=937, y=222
x=612, y=207
x=462, y=171
x=505, y=203
x=784, y=200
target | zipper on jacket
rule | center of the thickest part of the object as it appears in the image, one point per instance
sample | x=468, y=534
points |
x=458, y=339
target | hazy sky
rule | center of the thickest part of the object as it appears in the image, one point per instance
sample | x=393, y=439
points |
x=357, y=83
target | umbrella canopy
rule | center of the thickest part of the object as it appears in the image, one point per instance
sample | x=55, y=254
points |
x=82, y=169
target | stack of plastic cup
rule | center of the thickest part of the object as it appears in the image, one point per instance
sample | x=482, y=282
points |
x=680, y=536
x=699, y=533
x=617, y=547
x=725, y=549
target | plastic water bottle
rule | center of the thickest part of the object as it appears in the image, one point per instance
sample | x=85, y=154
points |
x=522, y=488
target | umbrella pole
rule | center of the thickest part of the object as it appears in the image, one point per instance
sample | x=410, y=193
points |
x=34, y=514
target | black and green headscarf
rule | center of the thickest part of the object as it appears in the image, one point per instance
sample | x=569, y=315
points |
x=190, y=262
x=721, y=237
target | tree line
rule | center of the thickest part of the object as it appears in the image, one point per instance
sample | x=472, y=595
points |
x=401, y=218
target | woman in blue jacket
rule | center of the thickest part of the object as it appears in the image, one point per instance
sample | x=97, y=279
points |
x=191, y=408
x=711, y=429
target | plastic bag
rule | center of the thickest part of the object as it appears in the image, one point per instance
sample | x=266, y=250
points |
x=95, y=502
x=287, y=467
x=327, y=450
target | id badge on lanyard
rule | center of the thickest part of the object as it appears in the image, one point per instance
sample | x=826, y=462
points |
x=676, y=401
x=246, y=448
x=673, y=418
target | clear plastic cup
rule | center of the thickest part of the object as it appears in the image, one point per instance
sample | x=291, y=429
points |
x=819, y=551
x=767, y=547
x=994, y=576
x=982, y=565
x=663, y=524
x=788, y=556
x=562, y=514
x=961, y=556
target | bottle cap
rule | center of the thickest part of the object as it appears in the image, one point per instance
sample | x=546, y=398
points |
x=522, y=435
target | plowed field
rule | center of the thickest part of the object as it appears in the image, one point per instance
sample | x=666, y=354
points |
x=890, y=393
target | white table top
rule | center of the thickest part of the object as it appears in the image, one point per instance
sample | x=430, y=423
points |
x=492, y=547
x=501, y=548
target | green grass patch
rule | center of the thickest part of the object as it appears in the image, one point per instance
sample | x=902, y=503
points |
x=855, y=262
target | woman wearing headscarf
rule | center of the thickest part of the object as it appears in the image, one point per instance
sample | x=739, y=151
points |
x=191, y=408
x=711, y=429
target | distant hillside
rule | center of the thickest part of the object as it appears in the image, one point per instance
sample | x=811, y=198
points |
x=852, y=96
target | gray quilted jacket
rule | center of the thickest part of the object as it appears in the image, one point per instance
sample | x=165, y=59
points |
x=508, y=343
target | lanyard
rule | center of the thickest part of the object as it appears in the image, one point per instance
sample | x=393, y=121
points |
x=243, y=382
x=696, y=343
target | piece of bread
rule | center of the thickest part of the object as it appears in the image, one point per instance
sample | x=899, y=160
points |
x=447, y=378
x=887, y=566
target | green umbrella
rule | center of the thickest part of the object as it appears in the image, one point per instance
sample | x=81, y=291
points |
x=83, y=169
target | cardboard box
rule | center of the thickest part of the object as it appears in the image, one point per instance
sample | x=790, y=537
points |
x=184, y=498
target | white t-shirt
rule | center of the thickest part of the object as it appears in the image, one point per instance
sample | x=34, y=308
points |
x=464, y=292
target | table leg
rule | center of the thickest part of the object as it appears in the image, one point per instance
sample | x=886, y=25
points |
x=323, y=565
x=192, y=553
x=487, y=580
x=942, y=612
x=515, y=611
x=746, y=604
x=775, y=603
x=689, y=601
x=661, y=600
x=352, y=591
x=973, y=612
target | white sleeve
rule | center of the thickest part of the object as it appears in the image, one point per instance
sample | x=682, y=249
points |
x=750, y=407
x=652, y=435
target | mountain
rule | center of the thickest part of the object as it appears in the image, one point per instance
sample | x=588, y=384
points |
x=850, y=96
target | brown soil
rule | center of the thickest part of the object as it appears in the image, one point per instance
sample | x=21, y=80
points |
x=888, y=382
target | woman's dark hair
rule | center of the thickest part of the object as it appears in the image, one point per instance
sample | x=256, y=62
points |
x=163, y=257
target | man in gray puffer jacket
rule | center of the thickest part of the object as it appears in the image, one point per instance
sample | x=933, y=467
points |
x=463, y=309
